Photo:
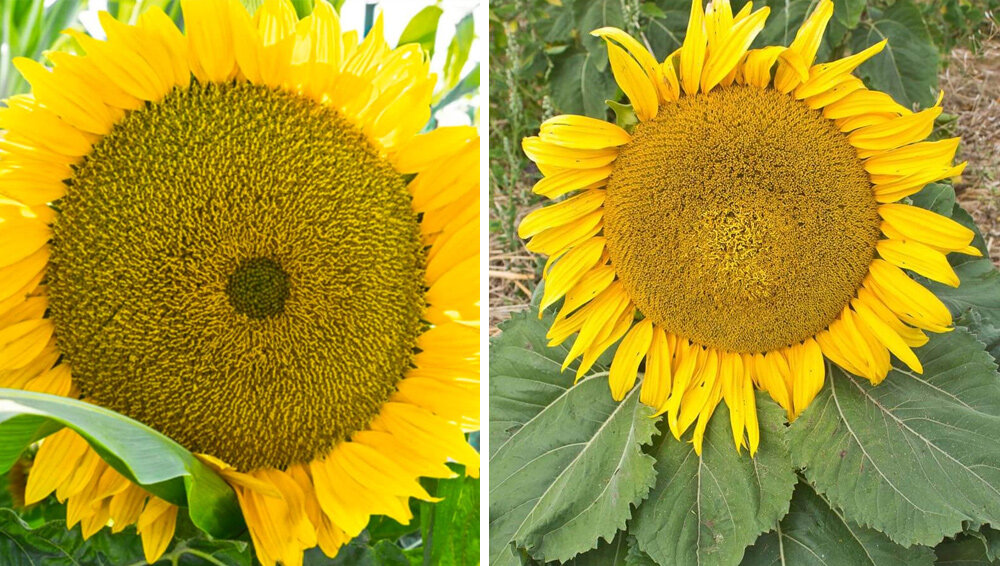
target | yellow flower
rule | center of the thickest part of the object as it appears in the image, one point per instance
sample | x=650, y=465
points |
x=237, y=237
x=750, y=219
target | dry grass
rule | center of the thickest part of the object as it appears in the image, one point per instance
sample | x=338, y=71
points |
x=972, y=92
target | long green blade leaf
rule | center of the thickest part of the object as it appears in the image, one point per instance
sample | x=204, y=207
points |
x=138, y=452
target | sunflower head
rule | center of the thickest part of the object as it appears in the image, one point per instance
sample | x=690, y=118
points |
x=746, y=227
x=237, y=236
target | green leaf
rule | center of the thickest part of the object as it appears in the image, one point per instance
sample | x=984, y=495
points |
x=599, y=14
x=568, y=463
x=963, y=550
x=458, y=51
x=359, y=553
x=138, y=452
x=452, y=534
x=846, y=17
x=708, y=509
x=468, y=85
x=612, y=553
x=975, y=303
x=302, y=7
x=666, y=32
x=916, y=455
x=815, y=533
x=783, y=22
x=907, y=67
x=422, y=29
x=52, y=544
x=635, y=556
x=580, y=87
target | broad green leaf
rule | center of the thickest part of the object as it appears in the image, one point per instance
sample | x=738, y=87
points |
x=907, y=67
x=451, y=536
x=635, y=556
x=963, y=550
x=666, y=31
x=783, y=22
x=595, y=14
x=846, y=16
x=975, y=303
x=580, y=87
x=612, y=553
x=458, y=51
x=422, y=29
x=359, y=553
x=138, y=452
x=567, y=460
x=815, y=533
x=916, y=455
x=52, y=544
x=708, y=509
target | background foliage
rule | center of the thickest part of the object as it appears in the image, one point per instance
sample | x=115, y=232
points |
x=446, y=533
x=903, y=473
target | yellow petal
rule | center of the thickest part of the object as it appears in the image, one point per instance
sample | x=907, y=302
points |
x=897, y=132
x=808, y=373
x=16, y=276
x=804, y=46
x=557, y=240
x=570, y=269
x=638, y=87
x=863, y=101
x=907, y=298
x=918, y=258
x=67, y=97
x=891, y=191
x=657, y=381
x=706, y=375
x=554, y=186
x=561, y=213
x=156, y=525
x=625, y=365
x=723, y=59
x=886, y=335
x=750, y=414
x=426, y=149
x=565, y=157
x=210, y=38
x=162, y=29
x=693, y=49
x=642, y=56
x=913, y=158
x=823, y=77
x=757, y=67
x=925, y=226
x=581, y=132
x=842, y=87
x=22, y=342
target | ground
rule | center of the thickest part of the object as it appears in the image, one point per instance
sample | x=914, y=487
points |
x=971, y=83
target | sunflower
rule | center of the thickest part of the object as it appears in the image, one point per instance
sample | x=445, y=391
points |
x=746, y=228
x=239, y=237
